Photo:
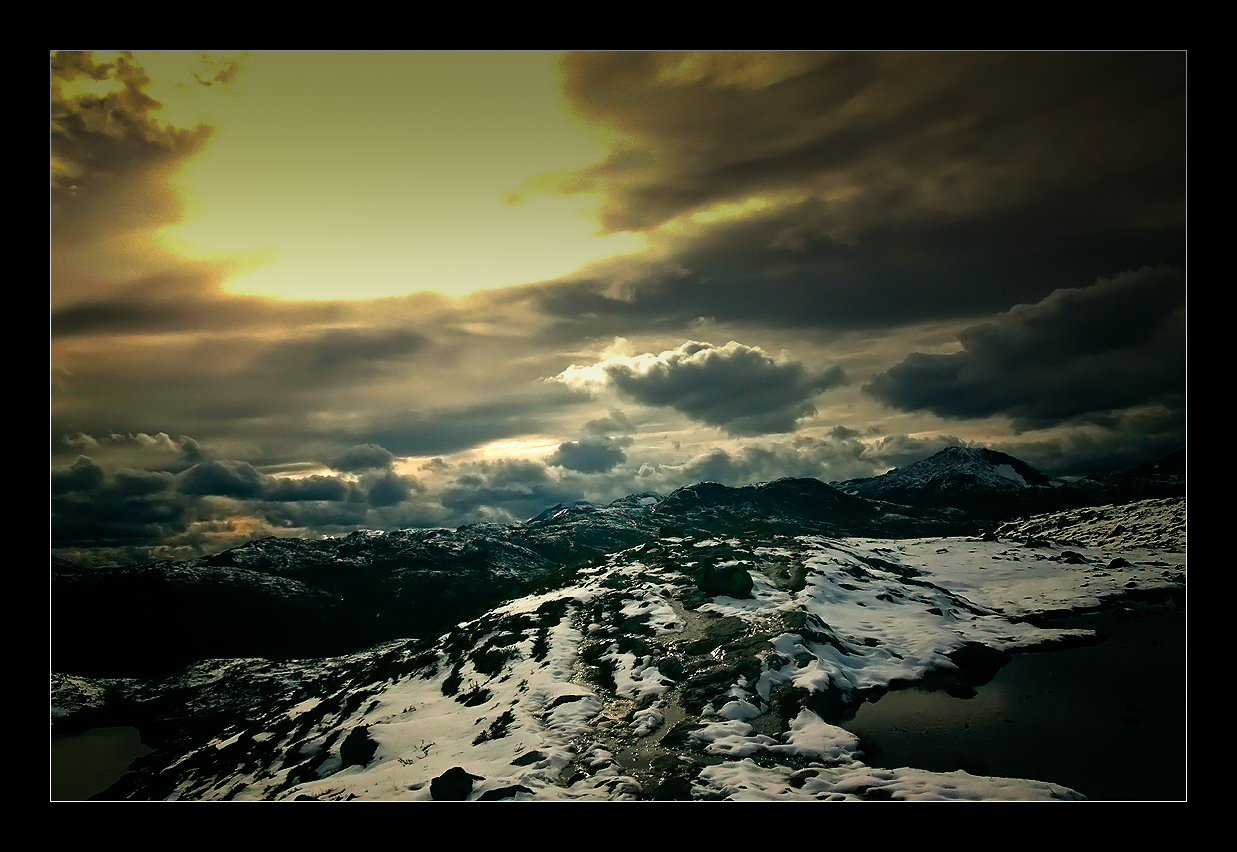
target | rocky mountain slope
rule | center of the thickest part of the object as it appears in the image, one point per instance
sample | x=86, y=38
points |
x=285, y=597
x=684, y=667
x=707, y=645
x=338, y=595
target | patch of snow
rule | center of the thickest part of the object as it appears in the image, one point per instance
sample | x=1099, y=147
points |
x=1008, y=472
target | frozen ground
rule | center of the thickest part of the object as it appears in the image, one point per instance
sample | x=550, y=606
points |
x=627, y=682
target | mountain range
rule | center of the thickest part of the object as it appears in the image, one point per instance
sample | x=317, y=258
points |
x=651, y=648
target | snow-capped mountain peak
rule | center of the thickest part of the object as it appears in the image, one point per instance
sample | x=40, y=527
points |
x=985, y=482
x=989, y=468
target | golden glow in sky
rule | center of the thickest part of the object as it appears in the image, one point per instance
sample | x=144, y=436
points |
x=816, y=264
x=367, y=174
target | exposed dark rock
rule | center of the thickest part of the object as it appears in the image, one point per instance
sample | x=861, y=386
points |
x=358, y=748
x=731, y=580
x=454, y=785
x=674, y=788
x=500, y=793
x=475, y=697
x=833, y=705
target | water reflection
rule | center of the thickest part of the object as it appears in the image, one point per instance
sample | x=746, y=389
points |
x=1106, y=720
x=85, y=764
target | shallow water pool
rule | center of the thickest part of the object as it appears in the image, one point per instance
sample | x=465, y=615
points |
x=88, y=763
x=1108, y=721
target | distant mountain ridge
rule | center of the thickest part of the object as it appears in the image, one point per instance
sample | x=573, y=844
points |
x=289, y=597
x=1163, y=477
x=991, y=485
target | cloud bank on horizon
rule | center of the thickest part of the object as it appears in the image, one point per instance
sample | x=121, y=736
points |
x=836, y=263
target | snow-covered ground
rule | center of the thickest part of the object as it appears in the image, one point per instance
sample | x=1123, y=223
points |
x=627, y=678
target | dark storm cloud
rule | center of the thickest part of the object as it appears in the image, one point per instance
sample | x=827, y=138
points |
x=275, y=392
x=1086, y=352
x=94, y=523
x=390, y=489
x=141, y=483
x=602, y=449
x=241, y=481
x=335, y=356
x=591, y=456
x=151, y=452
x=449, y=429
x=91, y=508
x=363, y=457
x=939, y=132
x=1084, y=452
x=913, y=273
x=320, y=516
x=82, y=475
x=397, y=390
x=308, y=488
x=737, y=388
x=237, y=385
x=765, y=463
x=191, y=451
x=223, y=479
x=87, y=477
x=179, y=301
x=614, y=423
x=897, y=188
x=503, y=490
x=117, y=317
x=127, y=515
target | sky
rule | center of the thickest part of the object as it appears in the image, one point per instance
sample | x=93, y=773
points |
x=303, y=293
